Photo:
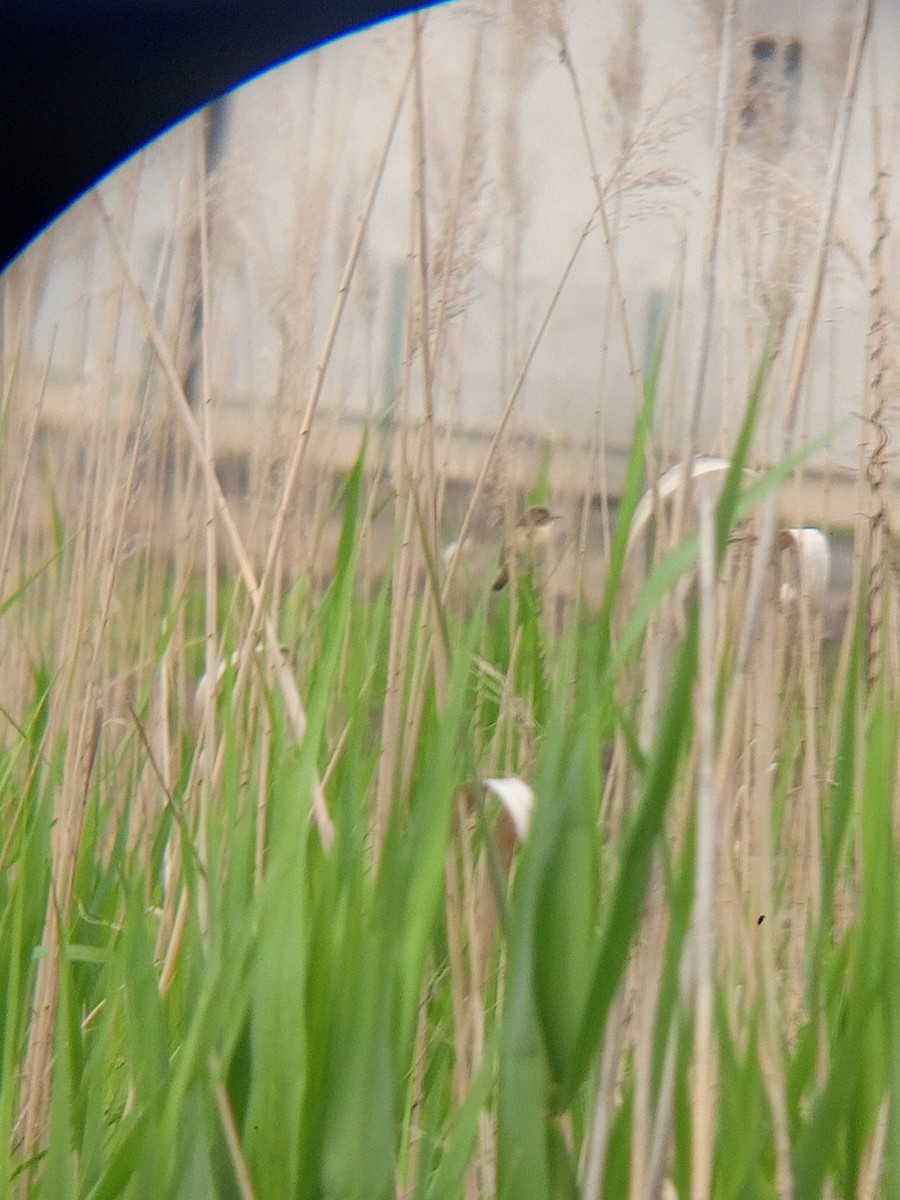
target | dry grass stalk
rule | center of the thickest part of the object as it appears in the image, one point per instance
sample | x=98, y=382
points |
x=425, y=653
x=765, y=754
x=430, y=532
x=873, y=1160
x=876, y=466
x=402, y=612
x=471, y=921
x=645, y=979
x=808, y=648
x=414, y=1133
x=596, y=481
x=704, y=924
x=565, y=53
x=211, y=648
x=230, y=1130
x=604, y=1105
x=665, y=1108
x=70, y=806
x=710, y=256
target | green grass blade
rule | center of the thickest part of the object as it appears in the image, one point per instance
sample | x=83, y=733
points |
x=446, y=1180
x=59, y=1176
x=277, y=1022
x=566, y=911
x=620, y=920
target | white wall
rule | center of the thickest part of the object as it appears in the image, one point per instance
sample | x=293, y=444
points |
x=303, y=145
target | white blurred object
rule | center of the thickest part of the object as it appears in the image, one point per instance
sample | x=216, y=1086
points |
x=517, y=798
x=813, y=565
x=707, y=474
x=203, y=688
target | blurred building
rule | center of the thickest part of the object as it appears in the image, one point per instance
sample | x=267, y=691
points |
x=509, y=187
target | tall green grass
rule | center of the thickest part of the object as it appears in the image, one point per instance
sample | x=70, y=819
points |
x=305, y=1029
x=207, y=996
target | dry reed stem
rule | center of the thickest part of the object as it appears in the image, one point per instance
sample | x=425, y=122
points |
x=471, y=918
x=422, y=258
x=596, y=1142
x=646, y=976
x=167, y=972
x=210, y=640
x=765, y=684
x=428, y=650
x=403, y=597
x=509, y=706
x=431, y=343
x=703, y=1124
x=453, y=905
x=809, y=649
x=416, y=700
x=433, y=614
x=872, y=1166
x=402, y=608
x=876, y=467
x=565, y=52
x=596, y=466
x=414, y=1127
x=658, y=1153
x=665, y=1106
x=230, y=1130
x=70, y=807
x=709, y=276
x=159, y=755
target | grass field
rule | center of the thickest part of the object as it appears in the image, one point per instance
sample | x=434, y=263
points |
x=215, y=987
x=374, y=882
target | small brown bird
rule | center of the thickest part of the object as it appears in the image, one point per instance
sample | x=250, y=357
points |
x=530, y=540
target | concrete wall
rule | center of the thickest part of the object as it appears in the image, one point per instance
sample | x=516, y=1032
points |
x=302, y=148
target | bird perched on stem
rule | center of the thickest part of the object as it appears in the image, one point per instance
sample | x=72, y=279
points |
x=528, y=543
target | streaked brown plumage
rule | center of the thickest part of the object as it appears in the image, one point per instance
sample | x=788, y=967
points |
x=528, y=544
